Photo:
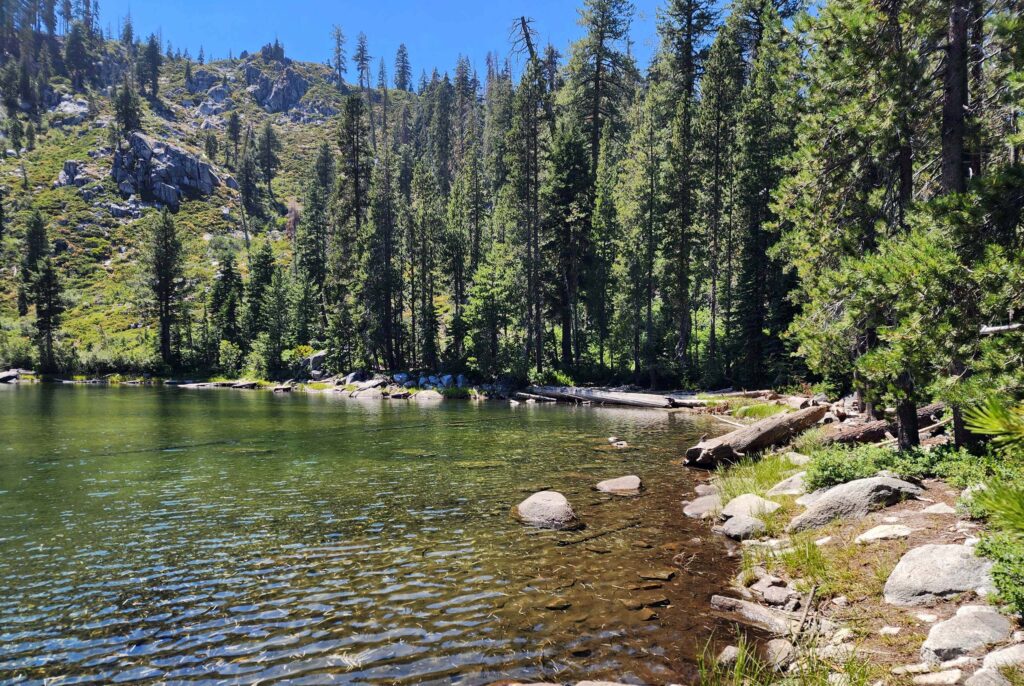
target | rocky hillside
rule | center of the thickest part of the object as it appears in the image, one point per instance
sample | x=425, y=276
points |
x=96, y=189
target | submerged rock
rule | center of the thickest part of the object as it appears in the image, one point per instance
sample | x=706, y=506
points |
x=624, y=485
x=853, y=499
x=933, y=572
x=548, y=510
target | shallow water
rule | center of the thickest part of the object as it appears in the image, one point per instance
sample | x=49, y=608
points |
x=241, y=537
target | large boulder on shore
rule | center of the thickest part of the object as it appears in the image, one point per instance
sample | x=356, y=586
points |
x=548, y=510
x=974, y=627
x=160, y=171
x=741, y=527
x=748, y=505
x=853, y=499
x=932, y=572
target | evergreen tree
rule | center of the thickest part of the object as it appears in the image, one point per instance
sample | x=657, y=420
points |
x=267, y=148
x=234, y=134
x=226, y=303
x=152, y=60
x=37, y=246
x=403, y=69
x=261, y=273
x=47, y=294
x=127, y=108
x=76, y=55
x=340, y=63
x=166, y=258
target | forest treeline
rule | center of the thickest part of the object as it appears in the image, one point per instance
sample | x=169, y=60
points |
x=782, y=196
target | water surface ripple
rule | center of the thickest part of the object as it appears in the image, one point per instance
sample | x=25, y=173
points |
x=158, y=535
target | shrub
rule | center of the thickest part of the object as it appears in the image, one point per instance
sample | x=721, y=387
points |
x=229, y=357
x=1007, y=551
x=839, y=464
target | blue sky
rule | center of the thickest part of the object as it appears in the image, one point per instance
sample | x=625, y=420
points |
x=435, y=31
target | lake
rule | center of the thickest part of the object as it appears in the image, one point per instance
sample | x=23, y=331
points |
x=157, y=534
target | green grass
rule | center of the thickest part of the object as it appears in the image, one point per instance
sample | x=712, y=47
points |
x=759, y=411
x=810, y=441
x=753, y=475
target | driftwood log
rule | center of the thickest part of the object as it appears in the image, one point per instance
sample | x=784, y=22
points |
x=600, y=395
x=759, y=436
x=873, y=432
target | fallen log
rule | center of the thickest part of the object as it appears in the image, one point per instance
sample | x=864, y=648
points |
x=761, y=435
x=873, y=432
x=599, y=395
x=10, y=376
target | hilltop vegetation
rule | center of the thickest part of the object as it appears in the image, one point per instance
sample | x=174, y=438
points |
x=782, y=198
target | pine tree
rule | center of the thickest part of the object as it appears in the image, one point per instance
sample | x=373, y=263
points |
x=234, y=133
x=37, y=246
x=128, y=110
x=606, y=237
x=601, y=72
x=47, y=294
x=267, y=148
x=152, y=59
x=311, y=236
x=166, y=258
x=403, y=69
x=340, y=63
x=226, y=303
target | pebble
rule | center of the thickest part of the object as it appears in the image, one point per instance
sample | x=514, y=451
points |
x=927, y=617
x=889, y=630
x=823, y=541
x=939, y=509
x=950, y=676
x=657, y=574
x=886, y=532
x=558, y=604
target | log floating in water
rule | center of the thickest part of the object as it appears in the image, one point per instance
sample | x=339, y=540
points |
x=758, y=436
x=600, y=395
x=872, y=432
x=531, y=396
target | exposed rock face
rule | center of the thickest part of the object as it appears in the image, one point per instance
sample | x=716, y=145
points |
x=70, y=111
x=278, y=95
x=548, y=510
x=853, y=499
x=973, y=628
x=202, y=80
x=161, y=172
x=933, y=572
x=71, y=175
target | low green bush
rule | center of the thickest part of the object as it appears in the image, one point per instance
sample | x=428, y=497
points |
x=839, y=464
x=1007, y=552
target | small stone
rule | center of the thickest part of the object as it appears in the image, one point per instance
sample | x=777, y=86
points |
x=558, y=604
x=777, y=595
x=647, y=614
x=840, y=601
x=889, y=630
x=987, y=677
x=886, y=532
x=779, y=653
x=927, y=617
x=950, y=677
x=728, y=656
x=842, y=636
x=705, y=489
x=657, y=574
x=643, y=545
x=939, y=509
x=798, y=459
x=547, y=509
x=823, y=541
x=646, y=586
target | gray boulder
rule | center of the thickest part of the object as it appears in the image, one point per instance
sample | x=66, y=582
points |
x=852, y=500
x=973, y=628
x=933, y=572
x=794, y=485
x=279, y=94
x=1007, y=657
x=704, y=507
x=749, y=505
x=160, y=171
x=548, y=510
x=779, y=654
x=741, y=527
